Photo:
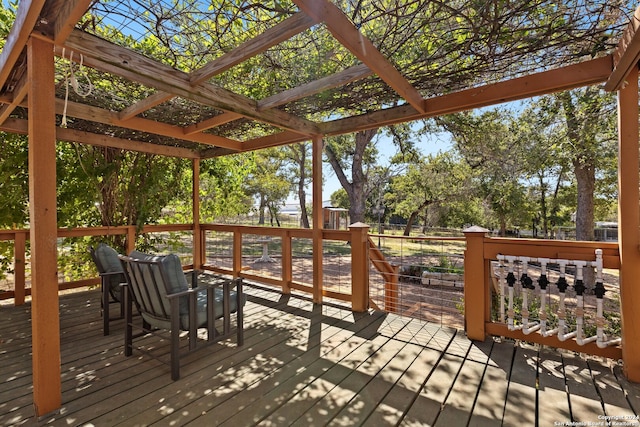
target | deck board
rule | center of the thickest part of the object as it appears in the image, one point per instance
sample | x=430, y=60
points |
x=583, y=397
x=488, y=408
x=553, y=400
x=520, y=407
x=309, y=365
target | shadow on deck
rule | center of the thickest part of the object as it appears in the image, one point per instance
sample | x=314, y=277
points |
x=305, y=364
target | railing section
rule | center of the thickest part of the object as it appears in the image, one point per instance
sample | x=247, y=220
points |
x=557, y=293
x=418, y=276
x=75, y=268
x=283, y=257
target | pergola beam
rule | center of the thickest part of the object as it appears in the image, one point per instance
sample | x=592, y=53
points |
x=111, y=58
x=348, y=35
x=583, y=74
x=145, y=104
x=271, y=37
x=218, y=120
x=100, y=115
x=20, y=91
x=282, y=138
x=26, y=20
x=69, y=13
x=335, y=80
x=626, y=55
x=20, y=126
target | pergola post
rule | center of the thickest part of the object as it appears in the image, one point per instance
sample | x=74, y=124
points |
x=359, y=267
x=317, y=219
x=45, y=315
x=476, y=286
x=198, y=250
x=629, y=224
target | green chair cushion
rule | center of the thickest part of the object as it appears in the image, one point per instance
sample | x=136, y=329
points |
x=108, y=260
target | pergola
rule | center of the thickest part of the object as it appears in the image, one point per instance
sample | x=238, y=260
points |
x=353, y=72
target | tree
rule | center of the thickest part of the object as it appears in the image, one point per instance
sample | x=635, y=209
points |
x=358, y=154
x=14, y=180
x=488, y=144
x=268, y=182
x=223, y=189
x=435, y=179
x=589, y=121
x=300, y=173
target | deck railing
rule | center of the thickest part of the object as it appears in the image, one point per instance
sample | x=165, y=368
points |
x=240, y=251
x=248, y=252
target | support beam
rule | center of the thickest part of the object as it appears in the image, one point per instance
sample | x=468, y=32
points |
x=198, y=250
x=69, y=13
x=335, y=80
x=626, y=55
x=348, y=35
x=21, y=127
x=629, y=224
x=583, y=74
x=359, y=267
x=45, y=316
x=26, y=20
x=318, y=275
x=476, y=284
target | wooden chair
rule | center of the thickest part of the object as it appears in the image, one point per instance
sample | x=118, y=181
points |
x=111, y=276
x=159, y=289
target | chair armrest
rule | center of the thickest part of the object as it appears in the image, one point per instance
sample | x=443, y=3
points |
x=200, y=288
x=110, y=273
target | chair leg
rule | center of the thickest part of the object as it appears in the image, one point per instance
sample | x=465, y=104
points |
x=175, y=346
x=240, y=313
x=128, y=329
x=105, y=305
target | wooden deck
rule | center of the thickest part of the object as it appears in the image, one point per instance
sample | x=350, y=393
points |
x=309, y=365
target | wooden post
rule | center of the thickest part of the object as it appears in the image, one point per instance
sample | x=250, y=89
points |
x=198, y=249
x=629, y=224
x=476, y=284
x=359, y=266
x=391, y=290
x=237, y=252
x=287, y=264
x=19, y=256
x=318, y=276
x=45, y=316
x=131, y=238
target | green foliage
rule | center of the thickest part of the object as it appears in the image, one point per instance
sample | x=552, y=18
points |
x=223, y=189
x=14, y=180
x=340, y=199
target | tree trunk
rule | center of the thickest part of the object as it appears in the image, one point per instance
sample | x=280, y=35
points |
x=410, y=221
x=355, y=188
x=302, y=194
x=263, y=205
x=586, y=180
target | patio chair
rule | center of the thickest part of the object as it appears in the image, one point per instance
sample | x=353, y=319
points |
x=158, y=286
x=111, y=276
